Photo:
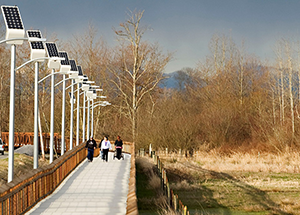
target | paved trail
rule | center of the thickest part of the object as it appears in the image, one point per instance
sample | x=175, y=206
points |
x=92, y=188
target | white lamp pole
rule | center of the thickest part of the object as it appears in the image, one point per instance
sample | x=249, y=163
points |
x=11, y=115
x=92, y=121
x=63, y=113
x=77, y=119
x=14, y=29
x=71, y=115
x=36, y=122
x=83, y=117
x=52, y=117
x=88, y=120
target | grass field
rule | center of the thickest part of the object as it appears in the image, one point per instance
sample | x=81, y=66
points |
x=210, y=183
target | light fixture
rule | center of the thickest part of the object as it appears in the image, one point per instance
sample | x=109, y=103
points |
x=37, y=47
x=14, y=25
x=54, y=61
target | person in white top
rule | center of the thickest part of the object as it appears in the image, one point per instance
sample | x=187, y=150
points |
x=105, y=146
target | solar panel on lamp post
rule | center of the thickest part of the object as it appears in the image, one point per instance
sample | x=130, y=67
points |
x=85, y=87
x=74, y=76
x=53, y=64
x=80, y=74
x=65, y=67
x=37, y=52
x=93, y=98
x=92, y=121
x=14, y=29
x=89, y=95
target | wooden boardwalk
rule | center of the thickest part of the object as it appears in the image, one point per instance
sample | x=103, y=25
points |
x=92, y=188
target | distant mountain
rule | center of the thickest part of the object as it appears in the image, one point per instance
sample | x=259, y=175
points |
x=170, y=81
x=175, y=80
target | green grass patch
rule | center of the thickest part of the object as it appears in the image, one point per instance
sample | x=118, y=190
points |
x=146, y=194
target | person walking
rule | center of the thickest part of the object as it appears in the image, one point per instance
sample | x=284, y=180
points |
x=91, y=146
x=119, y=146
x=105, y=146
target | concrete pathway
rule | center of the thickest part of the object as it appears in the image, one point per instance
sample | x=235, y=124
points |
x=92, y=188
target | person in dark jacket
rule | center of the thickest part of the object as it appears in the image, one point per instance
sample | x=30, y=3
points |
x=119, y=146
x=91, y=146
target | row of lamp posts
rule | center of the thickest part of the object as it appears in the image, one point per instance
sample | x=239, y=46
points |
x=15, y=33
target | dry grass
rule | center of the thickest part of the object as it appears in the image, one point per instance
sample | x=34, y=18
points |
x=157, y=202
x=22, y=164
x=288, y=162
x=266, y=183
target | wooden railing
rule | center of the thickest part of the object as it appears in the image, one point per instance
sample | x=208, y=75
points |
x=172, y=199
x=26, y=138
x=24, y=192
x=132, y=208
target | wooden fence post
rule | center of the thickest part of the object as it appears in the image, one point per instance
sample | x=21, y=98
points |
x=175, y=202
x=142, y=152
x=168, y=193
x=185, y=210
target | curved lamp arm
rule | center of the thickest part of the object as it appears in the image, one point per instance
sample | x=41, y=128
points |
x=36, y=59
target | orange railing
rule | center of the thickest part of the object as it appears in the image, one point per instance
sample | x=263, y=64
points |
x=132, y=208
x=26, y=138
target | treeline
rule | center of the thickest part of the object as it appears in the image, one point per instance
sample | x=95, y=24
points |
x=230, y=100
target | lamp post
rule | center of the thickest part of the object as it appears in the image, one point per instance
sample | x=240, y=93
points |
x=11, y=115
x=53, y=63
x=100, y=103
x=65, y=67
x=37, y=52
x=89, y=95
x=93, y=98
x=80, y=74
x=85, y=88
x=74, y=76
x=14, y=29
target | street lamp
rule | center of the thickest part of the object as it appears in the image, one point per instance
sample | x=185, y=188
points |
x=85, y=87
x=37, y=52
x=93, y=98
x=65, y=67
x=80, y=74
x=53, y=64
x=100, y=103
x=14, y=29
x=74, y=76
x=89, y=95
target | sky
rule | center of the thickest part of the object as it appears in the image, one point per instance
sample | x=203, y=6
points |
x=183, y=27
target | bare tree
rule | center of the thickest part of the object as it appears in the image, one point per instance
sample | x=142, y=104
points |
x=281, y=97
x=139, y=69
x=291, y=97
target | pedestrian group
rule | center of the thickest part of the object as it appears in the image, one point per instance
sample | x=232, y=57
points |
x=104, y=146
